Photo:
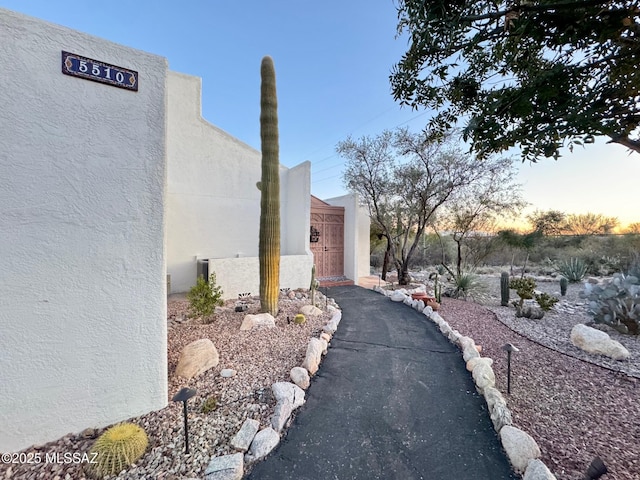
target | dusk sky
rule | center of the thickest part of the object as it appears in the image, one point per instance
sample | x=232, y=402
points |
x=333, y=61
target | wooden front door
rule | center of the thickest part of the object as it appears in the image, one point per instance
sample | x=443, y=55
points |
x=327, y=228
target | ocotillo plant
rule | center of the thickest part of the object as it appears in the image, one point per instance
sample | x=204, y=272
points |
x=504, y=289
x=269, y=245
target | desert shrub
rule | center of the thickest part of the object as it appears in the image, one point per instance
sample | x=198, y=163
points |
x=573, y=269
x=525, y=288
x=615, y=303
x=204, y=297
x=545, y=301
x=210, y=404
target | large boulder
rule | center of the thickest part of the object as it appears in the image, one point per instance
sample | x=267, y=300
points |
x=265, y=320
x=595, y=341
x=197, y=357
x=519, y=446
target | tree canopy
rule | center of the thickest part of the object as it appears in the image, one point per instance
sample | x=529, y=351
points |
x=405, y=178
x=539, y=74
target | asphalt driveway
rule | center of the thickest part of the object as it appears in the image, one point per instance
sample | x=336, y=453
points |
x=392, y=400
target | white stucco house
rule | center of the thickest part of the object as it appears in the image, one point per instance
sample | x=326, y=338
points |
x=111, y=184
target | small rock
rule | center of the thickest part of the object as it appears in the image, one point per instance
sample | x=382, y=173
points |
x=536, y=470
x=519, y=447
x=397, y=296
x=283, y=411
x=483, y=376
x=300, y=377
x=264, y=441
x=313, y=356
x=244, y=437
x=226, y=467
x=288, y=391
x=227, y=373
x=310, y=310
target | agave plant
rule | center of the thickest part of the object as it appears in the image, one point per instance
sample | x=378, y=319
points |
x=573, y=269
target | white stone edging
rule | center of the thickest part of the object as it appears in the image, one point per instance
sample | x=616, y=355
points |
x=289, y=396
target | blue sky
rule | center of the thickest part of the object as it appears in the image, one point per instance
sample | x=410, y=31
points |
x=333, y=60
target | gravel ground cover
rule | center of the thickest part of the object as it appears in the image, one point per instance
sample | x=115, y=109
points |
x=577, y=406
x=260, y=357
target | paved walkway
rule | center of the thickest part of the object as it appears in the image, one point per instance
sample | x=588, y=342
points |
x=392, y=400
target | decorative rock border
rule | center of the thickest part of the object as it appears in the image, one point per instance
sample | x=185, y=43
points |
x=521, y=449
x=253, y=444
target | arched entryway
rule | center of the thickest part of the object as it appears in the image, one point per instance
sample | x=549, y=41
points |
x=327, y=239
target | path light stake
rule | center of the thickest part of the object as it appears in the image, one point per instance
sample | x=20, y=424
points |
x=182, y=396
x=509, y=348
x=596, y=469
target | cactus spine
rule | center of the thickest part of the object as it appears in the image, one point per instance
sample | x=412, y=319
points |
x=564, y=283
x=504, y=289
x=269, y=245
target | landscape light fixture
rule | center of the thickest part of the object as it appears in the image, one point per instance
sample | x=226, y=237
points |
x=596, y=469
x=509, y=348
x=182, y=396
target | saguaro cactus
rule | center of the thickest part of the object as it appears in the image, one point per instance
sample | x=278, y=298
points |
x=269, y=245
x=504, y=289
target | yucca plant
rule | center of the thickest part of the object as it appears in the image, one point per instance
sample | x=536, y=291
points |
x=117, y=448
x=466, y=283
x=269, y=243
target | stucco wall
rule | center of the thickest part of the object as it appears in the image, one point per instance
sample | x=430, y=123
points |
x=356, y=236
x=213, y=204
x=83, y=305
x=242, y=275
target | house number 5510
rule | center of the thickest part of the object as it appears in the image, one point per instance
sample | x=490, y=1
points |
x=90, y=69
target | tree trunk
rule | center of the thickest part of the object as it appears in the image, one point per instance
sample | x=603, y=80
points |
x=459, y=260
x=385, y=262
x=403, y=274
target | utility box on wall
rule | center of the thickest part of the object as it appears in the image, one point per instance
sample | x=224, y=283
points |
x=82, y=178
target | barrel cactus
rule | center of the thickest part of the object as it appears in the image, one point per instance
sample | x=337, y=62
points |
x=117, y=448
x=269, y=243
